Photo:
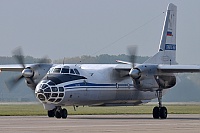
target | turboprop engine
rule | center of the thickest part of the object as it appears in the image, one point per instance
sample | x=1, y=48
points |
x=32, y=73
x=148, y=78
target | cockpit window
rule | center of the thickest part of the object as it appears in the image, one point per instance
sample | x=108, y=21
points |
x=65, y=70
x=76, y=71
x=72, y=71
x=50, y=70
x=56, y=70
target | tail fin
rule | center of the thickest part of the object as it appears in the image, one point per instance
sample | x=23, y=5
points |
x=167, y=48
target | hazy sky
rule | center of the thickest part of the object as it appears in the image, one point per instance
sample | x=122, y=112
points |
x=68, y=28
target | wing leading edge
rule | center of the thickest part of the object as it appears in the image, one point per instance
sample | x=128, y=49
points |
x=123, y=68
x=13, y=67
x=179, y=68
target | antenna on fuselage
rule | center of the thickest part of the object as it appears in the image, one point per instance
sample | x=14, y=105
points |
x=64, y=61
x=77, y=63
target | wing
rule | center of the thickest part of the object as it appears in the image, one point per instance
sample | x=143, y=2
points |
x=123, y=69
x=179, y=68
x=13, y=67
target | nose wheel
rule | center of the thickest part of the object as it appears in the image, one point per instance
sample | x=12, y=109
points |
x=161, y=111
x=58, y=112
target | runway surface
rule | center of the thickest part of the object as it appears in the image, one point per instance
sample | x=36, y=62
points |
x=100, y=123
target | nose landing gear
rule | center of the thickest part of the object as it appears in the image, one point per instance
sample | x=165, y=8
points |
x=58, y=112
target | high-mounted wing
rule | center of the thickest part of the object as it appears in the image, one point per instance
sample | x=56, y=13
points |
x=178, y=68
x=15, y=67
x=123, y=69
x=165, y=68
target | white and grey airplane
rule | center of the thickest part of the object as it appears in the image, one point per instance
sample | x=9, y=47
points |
x=123, y=84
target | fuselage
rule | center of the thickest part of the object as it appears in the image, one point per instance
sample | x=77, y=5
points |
x=89, y=84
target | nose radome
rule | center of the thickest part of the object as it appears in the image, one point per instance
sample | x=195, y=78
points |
x=47, y=91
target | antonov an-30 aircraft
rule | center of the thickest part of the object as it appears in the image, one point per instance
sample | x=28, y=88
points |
x=123, y=84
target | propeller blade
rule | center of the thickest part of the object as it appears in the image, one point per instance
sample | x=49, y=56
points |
x=31, y=81
x=132, y=50
x=11, y=83
x=41, y=61
x=18, y=55
x=134, y=72
x=44, y=60
x=27, y=73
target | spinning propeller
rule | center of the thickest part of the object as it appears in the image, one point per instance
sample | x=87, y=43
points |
x=134, y=73
x=27, y=72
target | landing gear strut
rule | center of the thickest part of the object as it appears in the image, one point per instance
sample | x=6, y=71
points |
x=160, y=111
x=58, y=112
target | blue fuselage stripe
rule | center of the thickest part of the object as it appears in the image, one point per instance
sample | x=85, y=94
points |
x=92, y=85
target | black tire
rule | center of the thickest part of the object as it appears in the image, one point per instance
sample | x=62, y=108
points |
x=156, y=112
x=58, y=113
x=51, y=113
x=64, y=113
x=163, y=112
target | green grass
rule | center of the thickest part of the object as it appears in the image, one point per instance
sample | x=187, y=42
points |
x=21, y=110
x=37, y=109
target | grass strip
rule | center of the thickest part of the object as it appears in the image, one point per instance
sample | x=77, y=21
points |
x=38, y=110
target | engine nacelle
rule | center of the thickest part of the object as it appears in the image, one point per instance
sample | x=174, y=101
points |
x=38, y=71
x=166, y=81
x=146, y=84
x=147, y=78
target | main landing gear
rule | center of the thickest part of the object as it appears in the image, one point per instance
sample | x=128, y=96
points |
x=160, y=111
x=58, y=112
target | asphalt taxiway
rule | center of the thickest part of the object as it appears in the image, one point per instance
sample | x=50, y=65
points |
x=100, y=123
